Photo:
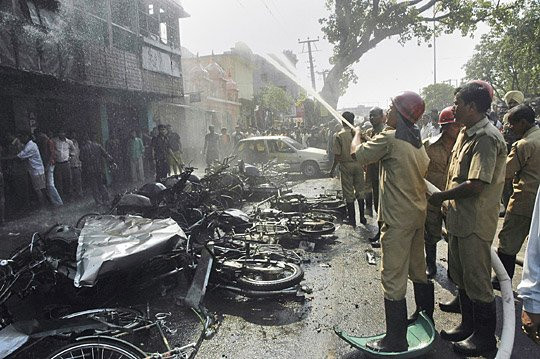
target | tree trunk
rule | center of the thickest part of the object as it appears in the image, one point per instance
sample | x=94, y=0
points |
x=331, y=90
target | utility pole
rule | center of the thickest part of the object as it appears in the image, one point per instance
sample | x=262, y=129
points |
x=434, y=47
x=310, y=52
x=324, y=74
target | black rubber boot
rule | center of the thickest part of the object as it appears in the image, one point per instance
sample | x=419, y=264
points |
x=483, y=340
x=452, y=306
x=369, y=204
x=509, y=263
x=431, y=260
x=352, y=214
x=424, y=296
x=395, y=339
x=363, y=219
x=466, y=327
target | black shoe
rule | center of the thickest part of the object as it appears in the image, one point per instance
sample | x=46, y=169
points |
x=376, y=244
x=376, y=238
x=395, y=339
x=351, y=211
x=424, y=296
x=431, y=260
x=466, y=327
x=482, y=340
x=451, y=306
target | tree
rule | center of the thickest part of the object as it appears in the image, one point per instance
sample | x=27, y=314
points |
x=438, y=96
x=509, y=56
x=356, y=26
x=275, y=100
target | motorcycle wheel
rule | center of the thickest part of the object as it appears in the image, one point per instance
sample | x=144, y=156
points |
x=267, y=275
x=316, y=228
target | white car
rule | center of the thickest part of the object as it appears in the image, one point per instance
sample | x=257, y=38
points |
x=261, y=149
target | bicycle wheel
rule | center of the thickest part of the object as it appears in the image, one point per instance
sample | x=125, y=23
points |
x=98, y=348
x=267, y=275
x=316, y=228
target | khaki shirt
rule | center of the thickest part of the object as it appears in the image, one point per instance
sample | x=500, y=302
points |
x=402, y=199
x=523, y=165
x=439, y=159
x=479, y=154
x=342, y=145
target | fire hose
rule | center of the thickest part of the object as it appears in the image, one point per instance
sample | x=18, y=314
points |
x=509, y=311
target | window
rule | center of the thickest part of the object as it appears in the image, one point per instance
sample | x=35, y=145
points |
x=159, y=21
x=278, y=146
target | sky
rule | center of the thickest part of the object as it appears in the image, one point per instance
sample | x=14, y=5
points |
x=271, y=26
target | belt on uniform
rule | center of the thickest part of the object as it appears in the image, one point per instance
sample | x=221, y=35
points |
x=58, y=163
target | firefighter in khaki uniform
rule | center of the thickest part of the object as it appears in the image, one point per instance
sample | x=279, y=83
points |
x=352, y=174
x=403, y=164
x=439, y=149
x=523, y=167
x=474, y=188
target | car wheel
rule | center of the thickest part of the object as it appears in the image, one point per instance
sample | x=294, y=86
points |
x=310, y=169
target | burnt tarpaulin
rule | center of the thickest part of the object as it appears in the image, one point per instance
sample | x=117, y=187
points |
x=116, y=243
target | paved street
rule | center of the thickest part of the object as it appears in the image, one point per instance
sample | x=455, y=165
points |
x=346, y=293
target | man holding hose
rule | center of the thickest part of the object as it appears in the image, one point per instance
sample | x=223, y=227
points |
x=474, y=188
x=403, y=165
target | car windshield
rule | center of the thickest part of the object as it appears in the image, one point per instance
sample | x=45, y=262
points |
x=297, y=145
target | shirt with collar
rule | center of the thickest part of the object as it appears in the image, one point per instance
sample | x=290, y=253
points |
x=478, y=154
x=30, y=152
x=523, y=166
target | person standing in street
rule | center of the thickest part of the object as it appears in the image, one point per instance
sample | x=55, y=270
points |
x=136, y=154
x=92, y=156
x=225, y=143
x=36, y=170
x=62, y=170
x=523, y=170
x=211, y=146
x=439, y=149
x=403, y=164
x=352, y=173
x=474, y=188
x=175, y=156
x=162, y=150
x=76, y=167
x=378, y=121
x=47, y=150
x=529, y=287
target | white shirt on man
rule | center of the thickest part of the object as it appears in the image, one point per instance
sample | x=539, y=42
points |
x=30, y=152
x=63, y=149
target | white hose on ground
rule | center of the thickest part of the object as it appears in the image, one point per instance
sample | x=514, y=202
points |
x=509, y=310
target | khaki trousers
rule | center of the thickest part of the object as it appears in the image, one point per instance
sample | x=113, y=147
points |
x=352, y=181
x=513, y=233
x=402, y=257
x=469, y=266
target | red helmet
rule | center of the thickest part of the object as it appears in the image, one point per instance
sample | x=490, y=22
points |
x=447, y=116
x=410, y=105
x=485, y=84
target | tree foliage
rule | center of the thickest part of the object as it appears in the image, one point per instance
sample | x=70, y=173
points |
x=438, y=96
x=356, y=26
x=509, y=56
x=275, y=99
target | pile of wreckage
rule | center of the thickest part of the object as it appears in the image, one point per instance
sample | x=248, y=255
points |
x=186, y=228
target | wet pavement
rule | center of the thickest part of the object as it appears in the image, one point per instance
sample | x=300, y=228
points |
x=346, y=292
